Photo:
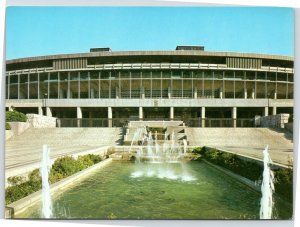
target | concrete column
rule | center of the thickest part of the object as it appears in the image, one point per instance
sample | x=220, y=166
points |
x=109, y=116
x=245, y=94
x=266, y=111
x=10, y=108
x=171, y=113
x=275, y=94
x=221, y=93
x=234, y=116
x=274, y=112
x=79, y=112
x=48, y=112
x=195, y=93
x=203, y=117
x=141, y=114
x=40, y=110
x=169, y=93
x=117, y=93
x=79, y=116
x=143, y=92
x=253, y=94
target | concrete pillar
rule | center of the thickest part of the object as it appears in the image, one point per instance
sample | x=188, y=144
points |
x=275, y=94
x=266, y=111
x=195, y=93
x=141, y=115
x=117, y=93
x=221, y=93
x=109, y=116
x=233, y=113
x=10, y=108
x=245, y=94
x=48, y=112
x=40, y=110
x=143, y=92
x=253, y=94
x=274, y=112
x=171, y=113
x=203, y=117
x=169, y=93
x=79, y=116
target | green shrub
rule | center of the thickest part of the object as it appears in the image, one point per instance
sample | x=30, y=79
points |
x=199, y=150
x=15, y=116
x=7, y=126
x=16, y=180
x=284, y=183
x=61, y=168
x=66, y=166
x=35, y=176
x=253, y=171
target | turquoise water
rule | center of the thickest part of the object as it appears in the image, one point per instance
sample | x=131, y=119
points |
x=192, y=190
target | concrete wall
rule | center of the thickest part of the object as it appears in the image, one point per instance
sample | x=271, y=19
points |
x=17, y=128
x=289, y=126
x=39, y=121
x=33, y=121
x=8, y=134
x=274, y=121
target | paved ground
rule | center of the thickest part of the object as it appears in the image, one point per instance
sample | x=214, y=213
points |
x=25, y=150
x=27, y=147
x=247, y=141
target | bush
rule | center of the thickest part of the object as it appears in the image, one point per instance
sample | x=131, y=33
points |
x=199, y=150
x=7, y=126
x=16, y=180
x=283, y=177
x=61, y=168
x=284, y=182
x=15, y=116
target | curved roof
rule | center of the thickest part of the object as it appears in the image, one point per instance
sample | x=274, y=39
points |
x=151, y=53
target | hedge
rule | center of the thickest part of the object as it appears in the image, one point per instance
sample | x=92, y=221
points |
x=61, y=168
x=15, y=116
x=249, y=169
x=7, y=126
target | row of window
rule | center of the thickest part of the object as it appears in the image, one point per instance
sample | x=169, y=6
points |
x=187, y=74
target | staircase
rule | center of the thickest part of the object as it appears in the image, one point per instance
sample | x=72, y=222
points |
x=161, y=128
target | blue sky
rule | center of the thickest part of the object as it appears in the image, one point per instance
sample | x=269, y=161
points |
x=35, y=31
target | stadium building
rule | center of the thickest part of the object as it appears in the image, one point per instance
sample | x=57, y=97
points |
x=104, y=88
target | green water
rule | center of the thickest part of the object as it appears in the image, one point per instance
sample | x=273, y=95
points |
x=158, y=191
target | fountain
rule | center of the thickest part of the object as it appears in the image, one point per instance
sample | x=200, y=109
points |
x=267, y=188
x=158, y=156
x=46, y=196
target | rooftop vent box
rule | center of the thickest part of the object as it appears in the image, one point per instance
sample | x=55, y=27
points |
x=199, y=48
x=101, y=49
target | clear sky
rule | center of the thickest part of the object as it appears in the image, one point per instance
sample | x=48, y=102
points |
x=35, y=31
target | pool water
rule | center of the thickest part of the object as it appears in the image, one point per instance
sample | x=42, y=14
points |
x=192, y=190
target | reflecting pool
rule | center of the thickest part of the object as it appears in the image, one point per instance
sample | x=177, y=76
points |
x=190, y=190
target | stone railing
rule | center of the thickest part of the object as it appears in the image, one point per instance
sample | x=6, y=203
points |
x=39, y=121
x=273, y=121
x=33, y=121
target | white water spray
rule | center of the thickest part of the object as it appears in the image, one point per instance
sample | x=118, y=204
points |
x=267, y=188
x=46, y=196
x=184, y=146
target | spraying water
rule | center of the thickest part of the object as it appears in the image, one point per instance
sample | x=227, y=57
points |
x=161, y=158
x=267, y=188
x=46, y=196
x=184, y=145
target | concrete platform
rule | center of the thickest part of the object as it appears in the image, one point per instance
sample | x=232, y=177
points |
x=246, y=141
